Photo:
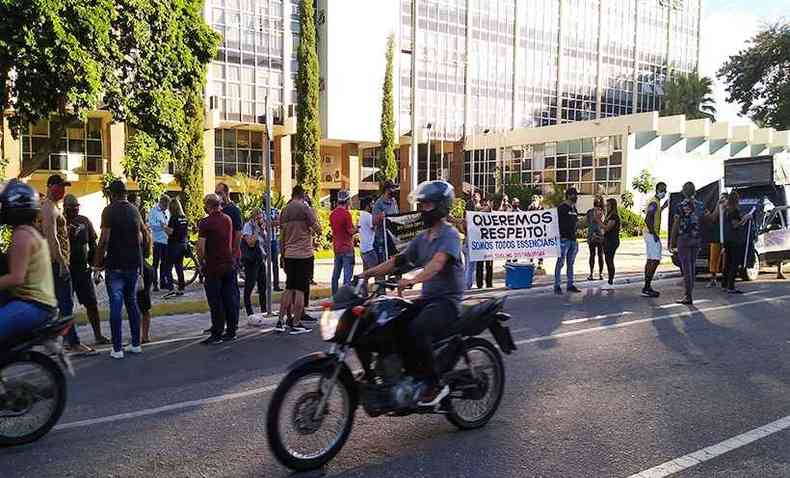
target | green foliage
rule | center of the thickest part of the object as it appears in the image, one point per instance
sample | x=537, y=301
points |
x=106, y=179
x=631, y=223
x=5, y=238
x=189, y=160
x=627, y=199
x=689, y=95
x=458, y=209
x=137, y=58
x=555, y=197
x=388, y=167
x=523, y=192
x=307, y=154
x=144, y=163
x=644, y=183
x=757, y=77
x=252, y=195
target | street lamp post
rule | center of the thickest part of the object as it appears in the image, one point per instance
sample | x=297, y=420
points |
x=428, y=154
x=268, y=205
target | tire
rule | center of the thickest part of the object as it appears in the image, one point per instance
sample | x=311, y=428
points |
x=345, y=382
x=750, y=274
x=453, y=415
x=191, y=272
x=59, y=382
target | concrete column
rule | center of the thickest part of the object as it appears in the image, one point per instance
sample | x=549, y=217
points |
x=405, y=178
x=349, y=168
x=209, y=169
x=457, y=159
x=282, y=166
x=116, y=137
x=12, y=153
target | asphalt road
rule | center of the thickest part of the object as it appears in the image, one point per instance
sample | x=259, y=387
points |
x=603, y=384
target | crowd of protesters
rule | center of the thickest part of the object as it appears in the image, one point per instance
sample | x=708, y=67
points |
x=80, y=258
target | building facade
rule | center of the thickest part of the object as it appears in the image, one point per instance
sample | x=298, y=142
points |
x=481, y=68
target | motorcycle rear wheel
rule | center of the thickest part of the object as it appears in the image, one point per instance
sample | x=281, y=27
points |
x=281, y=413
x=469, y=414
x=17, y=375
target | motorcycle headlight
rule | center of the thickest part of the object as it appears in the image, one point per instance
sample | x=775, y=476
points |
x=329, y=321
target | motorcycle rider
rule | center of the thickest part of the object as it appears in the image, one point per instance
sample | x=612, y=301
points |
x=438, y=251
x=28, y=291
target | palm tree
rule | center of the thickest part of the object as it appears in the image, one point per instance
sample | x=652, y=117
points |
x=690, y=95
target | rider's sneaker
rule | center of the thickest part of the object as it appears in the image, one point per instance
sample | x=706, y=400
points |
x=280, y=327
x=133, y=350
x=299, y=330
x=433, y=394
x=116, y=355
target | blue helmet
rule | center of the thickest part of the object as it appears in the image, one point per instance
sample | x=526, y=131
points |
x=18, y=204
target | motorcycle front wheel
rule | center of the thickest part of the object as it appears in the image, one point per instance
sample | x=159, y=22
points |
x=298, y=439
x=485, y=359
x=32, y=397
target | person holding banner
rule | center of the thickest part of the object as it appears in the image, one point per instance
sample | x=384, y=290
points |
x=470, y=265
x=568, y=217
x=385, y=205
x=735, y=227
x=437, y=250
x=487, y=266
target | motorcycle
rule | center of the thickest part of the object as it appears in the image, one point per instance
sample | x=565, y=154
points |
x=311, y=413
x=33, y=383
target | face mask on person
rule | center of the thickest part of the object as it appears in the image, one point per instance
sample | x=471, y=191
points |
x=430, y=218
x=573, y=199
x=58, y=191
x=71, y=212
x=661, y=195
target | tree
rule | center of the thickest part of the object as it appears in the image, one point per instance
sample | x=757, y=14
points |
x=139, y=59
x=644, y=183
x=307, y=149
x=189, y=160
x=689, y=95
x=144, y=163
x=388, y=168
x=758, y=77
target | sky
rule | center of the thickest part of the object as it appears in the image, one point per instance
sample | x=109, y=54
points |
x=726, y=27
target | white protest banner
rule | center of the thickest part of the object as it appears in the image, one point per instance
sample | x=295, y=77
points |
x=512, y=235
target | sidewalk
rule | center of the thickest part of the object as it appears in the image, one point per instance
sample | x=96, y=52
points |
x=187, y=316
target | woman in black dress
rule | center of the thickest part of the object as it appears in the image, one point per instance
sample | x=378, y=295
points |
x=611, y=236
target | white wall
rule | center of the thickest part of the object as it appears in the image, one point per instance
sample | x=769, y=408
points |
x=353, y=45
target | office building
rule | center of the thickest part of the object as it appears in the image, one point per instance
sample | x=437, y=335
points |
x=482, y=67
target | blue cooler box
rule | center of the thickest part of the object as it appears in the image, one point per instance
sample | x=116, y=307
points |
x=519, y=276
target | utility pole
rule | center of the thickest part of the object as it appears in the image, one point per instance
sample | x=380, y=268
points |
x=414, y=145
x=268, y=206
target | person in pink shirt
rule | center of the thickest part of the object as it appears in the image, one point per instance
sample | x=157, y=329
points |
x=343, y=231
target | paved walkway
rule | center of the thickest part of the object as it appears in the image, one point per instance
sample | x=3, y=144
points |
x=630, y=263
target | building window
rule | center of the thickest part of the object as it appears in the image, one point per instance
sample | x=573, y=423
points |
x=79, y=149
x=592, y=165
x=238, y=151
x=370, y=158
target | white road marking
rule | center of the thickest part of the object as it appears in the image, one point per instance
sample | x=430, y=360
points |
x=752, y=293
x=705, y=454
x=676, y=315
x=670, y=306
x=597, y=317
x=166, y=408
x=276, y=378
x=158, y=342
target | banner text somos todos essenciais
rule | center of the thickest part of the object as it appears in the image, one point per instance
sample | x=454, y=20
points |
x=525, y=234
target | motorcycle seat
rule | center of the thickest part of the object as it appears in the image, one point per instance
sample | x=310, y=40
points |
x=474, y=319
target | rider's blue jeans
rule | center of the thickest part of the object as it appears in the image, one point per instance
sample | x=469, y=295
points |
x=18, y=317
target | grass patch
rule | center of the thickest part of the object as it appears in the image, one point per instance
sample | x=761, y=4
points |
x=198, y=306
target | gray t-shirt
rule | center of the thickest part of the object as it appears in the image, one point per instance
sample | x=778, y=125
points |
x=449, y=282
x=388, y=207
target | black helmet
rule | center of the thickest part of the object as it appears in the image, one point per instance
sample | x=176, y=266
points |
x=18, y=204
x=440, y=193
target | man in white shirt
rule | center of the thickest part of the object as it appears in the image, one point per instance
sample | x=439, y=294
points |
x=367, y=235
x=158, y=218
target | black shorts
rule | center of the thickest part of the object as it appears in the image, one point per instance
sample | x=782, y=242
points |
x=298, y=273
x=82, y=283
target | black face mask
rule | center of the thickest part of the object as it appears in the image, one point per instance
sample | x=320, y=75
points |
x=430, y=218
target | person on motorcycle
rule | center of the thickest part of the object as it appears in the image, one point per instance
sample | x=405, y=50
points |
x=28, y=291
x=437, y=250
